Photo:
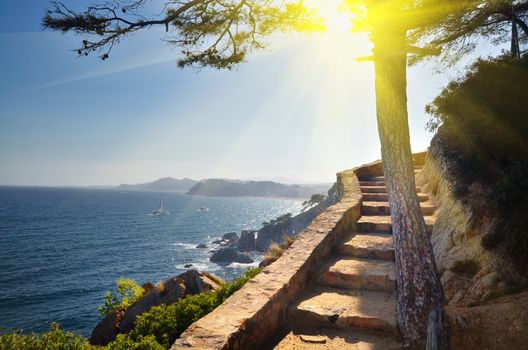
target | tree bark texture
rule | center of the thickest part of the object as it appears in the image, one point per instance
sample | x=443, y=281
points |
x=515, y=50
x=419, y=289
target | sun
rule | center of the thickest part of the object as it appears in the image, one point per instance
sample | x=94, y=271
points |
x=336, y=20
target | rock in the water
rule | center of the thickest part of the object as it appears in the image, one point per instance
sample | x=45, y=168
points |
x=187, y=265
x=121, y=321
x=231, y=236
x=201, y=246
x=230, y=254
x=246, y=242
x=218, y=241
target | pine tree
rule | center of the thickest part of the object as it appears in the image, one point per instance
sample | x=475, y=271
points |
x=220, y=34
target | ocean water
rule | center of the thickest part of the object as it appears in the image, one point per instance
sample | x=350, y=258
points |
x=62, y=248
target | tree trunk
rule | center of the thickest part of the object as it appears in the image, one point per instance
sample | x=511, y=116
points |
x=515, y=50
x=419, y=290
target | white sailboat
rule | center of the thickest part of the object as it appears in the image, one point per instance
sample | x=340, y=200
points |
x=161, y=210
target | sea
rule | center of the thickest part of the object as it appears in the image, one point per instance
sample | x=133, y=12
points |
x=61, y=249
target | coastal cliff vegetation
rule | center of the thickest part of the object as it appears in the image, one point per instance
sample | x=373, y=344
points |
x=482, y=125
x=126, y=292
x=155, y=329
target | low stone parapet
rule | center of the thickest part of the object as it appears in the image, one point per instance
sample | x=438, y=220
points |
x=254, y=313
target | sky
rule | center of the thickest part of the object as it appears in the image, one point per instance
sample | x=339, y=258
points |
x=299, y=111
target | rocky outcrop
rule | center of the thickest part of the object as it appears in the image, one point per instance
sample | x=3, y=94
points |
x=469, y=272
x=227, y=255
x=232, y=248
x=275, y=233
x=230, y=236
x=247, y=241
x=121, y=321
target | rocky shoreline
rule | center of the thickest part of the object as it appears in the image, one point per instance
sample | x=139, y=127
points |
x=232, y=247
x=229, y=248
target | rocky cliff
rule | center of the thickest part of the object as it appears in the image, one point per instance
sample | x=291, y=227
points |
x=121, y=321
x=482, y=286
x=469, y=272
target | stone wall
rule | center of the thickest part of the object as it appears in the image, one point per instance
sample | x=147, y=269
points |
x=254, y=313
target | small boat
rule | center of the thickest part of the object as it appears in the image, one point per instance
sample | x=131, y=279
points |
x=204, y=209
x=161, y=210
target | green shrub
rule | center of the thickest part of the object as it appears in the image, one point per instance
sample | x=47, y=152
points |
x=55, y=339
x=315, y=199
x=483, y=119
x=126, y=292
x=485, y=114
x=166, y=323
x=278, y=221
x=125, y=342
x=156, y=329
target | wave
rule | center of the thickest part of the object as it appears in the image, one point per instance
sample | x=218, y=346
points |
x=200, y=266
x=185, y=245
x=241, y=265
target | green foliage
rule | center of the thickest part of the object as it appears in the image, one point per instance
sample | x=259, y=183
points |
x=156, y=329
x=483, y=116
x=126, y=292
x=484, y=113
x=314, y=200
x=279, y=220
x=217, y=34
x=55, y=339
x=166, y=323
x=125, y=342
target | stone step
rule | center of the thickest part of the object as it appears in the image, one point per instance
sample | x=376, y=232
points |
x=357, y=273
x=333, y=308
x=382, y=197
x=380, y=178
x=383, y=223
x=379, y=189
x=304, y=338
x=377, y=179
x=371, y=223
x=383, y=208
x=371, y=246
x=373, y=189
x=372, y=183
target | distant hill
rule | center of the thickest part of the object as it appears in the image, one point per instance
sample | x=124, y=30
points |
x=165, y=184
x=231, y=188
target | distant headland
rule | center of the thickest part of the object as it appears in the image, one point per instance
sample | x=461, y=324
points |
x=229, y=188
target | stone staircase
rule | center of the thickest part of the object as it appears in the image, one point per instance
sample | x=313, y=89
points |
x=351, y=301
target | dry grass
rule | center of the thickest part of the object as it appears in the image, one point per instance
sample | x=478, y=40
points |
x=276, y=250
x=160, y=286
